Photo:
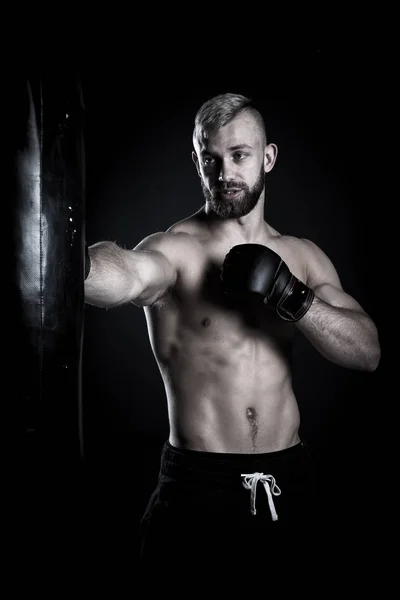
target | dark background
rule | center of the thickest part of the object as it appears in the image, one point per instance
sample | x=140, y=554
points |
x=323, y=108
x=326, y=105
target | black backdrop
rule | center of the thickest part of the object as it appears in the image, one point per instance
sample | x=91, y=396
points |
x=325, y=109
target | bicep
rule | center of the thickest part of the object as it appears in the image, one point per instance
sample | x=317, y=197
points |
x=323, y=279
x=155, y=270
x=336, y=296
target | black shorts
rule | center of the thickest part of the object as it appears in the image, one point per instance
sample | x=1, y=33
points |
x=242, y=508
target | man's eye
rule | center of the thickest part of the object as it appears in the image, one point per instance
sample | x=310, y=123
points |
x=239, y=155
x=207, y=160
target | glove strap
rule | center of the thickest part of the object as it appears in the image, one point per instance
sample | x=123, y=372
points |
x=295, y=302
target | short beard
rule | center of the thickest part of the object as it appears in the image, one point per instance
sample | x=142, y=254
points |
x=240, y=207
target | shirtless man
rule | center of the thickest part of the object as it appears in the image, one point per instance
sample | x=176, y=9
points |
x=222, y=309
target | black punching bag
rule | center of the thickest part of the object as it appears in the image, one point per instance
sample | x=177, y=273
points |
x=48, y=204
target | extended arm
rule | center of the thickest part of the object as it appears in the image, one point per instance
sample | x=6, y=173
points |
x=335, y=323
x=118, y=276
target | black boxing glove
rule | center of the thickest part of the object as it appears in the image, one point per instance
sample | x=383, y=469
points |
x=255, y=269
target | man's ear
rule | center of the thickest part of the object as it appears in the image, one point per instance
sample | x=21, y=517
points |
x=195, y=159
x=270, y=156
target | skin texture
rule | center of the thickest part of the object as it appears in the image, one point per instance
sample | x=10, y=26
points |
x=226, y=366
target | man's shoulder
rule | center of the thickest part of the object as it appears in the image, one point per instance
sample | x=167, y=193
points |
x=297, y=244
x=170, y=238
x=180, y=237
x=301, y=251
x=318, y=265
x=187, y=232
x=189, y=225
x=311, y=250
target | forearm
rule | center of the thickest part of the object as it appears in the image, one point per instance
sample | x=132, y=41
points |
x=346, y=337
x=112, y=279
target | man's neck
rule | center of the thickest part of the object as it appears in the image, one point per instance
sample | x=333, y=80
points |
x=248, y=228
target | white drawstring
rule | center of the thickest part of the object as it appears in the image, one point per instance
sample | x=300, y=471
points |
x=250, y=483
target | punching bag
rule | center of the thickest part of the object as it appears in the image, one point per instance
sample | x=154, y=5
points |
x=48, y=207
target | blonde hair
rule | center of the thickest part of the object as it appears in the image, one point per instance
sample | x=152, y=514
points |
x=220, y=110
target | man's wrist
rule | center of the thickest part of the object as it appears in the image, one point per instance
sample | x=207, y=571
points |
x=295, y=301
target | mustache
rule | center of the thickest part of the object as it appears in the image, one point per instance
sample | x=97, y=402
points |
x=228, y=186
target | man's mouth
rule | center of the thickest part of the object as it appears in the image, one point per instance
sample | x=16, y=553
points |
x=229, y=193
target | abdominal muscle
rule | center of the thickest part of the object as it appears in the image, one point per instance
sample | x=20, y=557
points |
x=227, y=394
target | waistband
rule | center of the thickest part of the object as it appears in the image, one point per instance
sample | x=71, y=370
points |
x=220, y=463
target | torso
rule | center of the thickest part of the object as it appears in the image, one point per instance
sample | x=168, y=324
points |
x=226, y=369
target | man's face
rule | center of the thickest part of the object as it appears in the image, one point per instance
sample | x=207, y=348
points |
x=232, y=164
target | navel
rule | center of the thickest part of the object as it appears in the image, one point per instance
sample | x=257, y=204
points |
x=206, y=322
x=251, y=414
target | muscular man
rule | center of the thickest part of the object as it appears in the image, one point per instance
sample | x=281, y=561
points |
x=223, y=293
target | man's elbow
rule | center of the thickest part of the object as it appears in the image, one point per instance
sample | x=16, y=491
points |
x=372, y=347
x=372, y=355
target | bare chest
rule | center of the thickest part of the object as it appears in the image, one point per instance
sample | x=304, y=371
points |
x=206, y=309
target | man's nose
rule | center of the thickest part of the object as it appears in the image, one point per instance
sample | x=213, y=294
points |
x=226, y=172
